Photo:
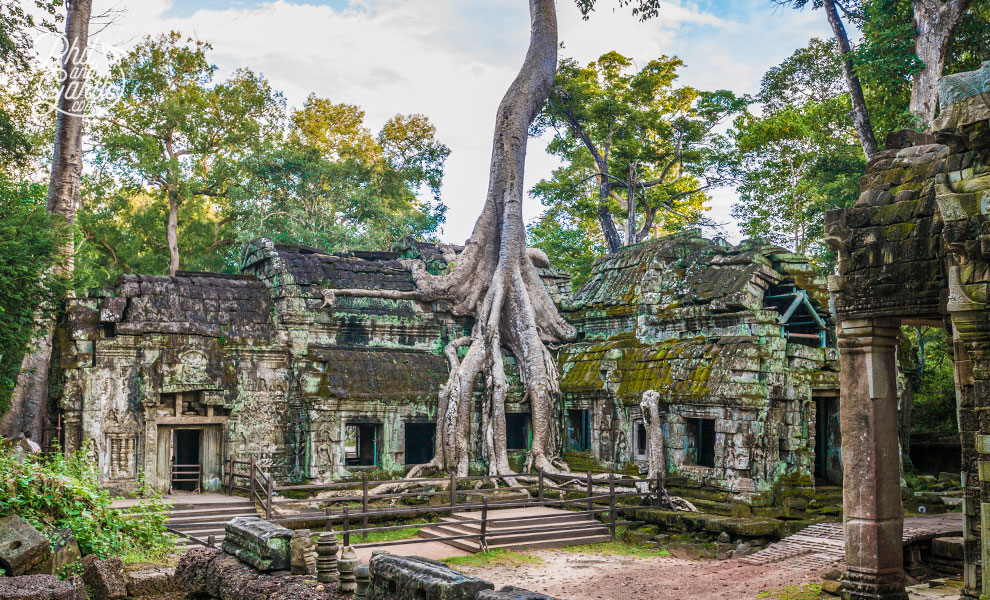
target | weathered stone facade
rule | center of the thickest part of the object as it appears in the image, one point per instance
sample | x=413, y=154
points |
x=915, y=249
x=701, y=323
x=201, y=368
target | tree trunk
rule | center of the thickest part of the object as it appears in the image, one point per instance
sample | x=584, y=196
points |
x=935, y=20
x=650, y=405
x=860, y=115
x=631, y=206
x=605, y=217
x=172, y=234
x=495, y=280
x=29, y=403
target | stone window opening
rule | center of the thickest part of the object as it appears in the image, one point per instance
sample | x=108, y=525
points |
x=362, y=444
x=579, y=430
x=517, y=431
x=640, y=441
x=700, y=449
x=420, y=443
x=799, y=320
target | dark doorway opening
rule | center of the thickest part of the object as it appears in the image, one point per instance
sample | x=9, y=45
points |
x=517, y=431
x=361, y=446
x=827, y=467
x=579, y=430
x=186, y=461
x=420, y=442
x=701, y=442
x=640, y=436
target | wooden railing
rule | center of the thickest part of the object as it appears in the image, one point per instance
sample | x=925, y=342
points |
x=187, y=474
x=209, y=542
x=579, y=497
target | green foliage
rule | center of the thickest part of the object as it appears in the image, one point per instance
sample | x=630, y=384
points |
x=495, y=558
x=29, y=250
x=935, y=396
x=334, y=185
x=634, y=129
x=800, y=157
x=572, y=245
x=811, y=591
x=56, y=492
x=176, y=137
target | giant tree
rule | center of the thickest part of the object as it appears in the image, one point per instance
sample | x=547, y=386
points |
x=30, y=397
x=651, y=145
x=181, y=136
x=495, y=280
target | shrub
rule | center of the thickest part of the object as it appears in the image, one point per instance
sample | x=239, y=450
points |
x=56, y=492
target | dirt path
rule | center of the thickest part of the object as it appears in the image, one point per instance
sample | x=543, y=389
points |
x=573, y=576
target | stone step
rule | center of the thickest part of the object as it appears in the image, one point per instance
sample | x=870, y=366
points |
x=503, y=520
x=534, y=541
x=190, y=518
x=520, y=534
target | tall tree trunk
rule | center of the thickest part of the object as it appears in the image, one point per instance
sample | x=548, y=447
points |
x=29, y=403
x=936, y=20
x=605, y=217
x=860, y=115
x=495, y=281
x=650, y=405
x=631, y=206
x=172, y=234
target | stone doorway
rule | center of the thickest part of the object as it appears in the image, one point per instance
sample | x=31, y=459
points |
x=187, y=465
x=828, y=467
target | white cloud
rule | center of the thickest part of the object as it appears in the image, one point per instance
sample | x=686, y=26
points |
x=453, y=59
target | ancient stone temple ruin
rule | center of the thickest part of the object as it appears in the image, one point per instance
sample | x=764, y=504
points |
x=915, y=249
x=169, y=378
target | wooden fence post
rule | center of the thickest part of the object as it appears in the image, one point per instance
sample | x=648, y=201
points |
x=591, y=503
x=230, y=477
x=268, y=507
x=347, y=526
x=211, y=541
x=251, y=480
x=540, y=493
x=611, y=506
x=453, y=490
x=484, y=524
x=329, y=525
x=364, y=505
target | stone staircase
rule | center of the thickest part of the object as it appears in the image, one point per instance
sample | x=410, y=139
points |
x=520, y=529
x=201, y=518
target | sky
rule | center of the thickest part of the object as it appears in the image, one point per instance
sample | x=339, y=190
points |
x=453, y=59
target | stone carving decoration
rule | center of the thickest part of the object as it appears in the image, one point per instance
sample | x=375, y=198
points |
x=326, y=561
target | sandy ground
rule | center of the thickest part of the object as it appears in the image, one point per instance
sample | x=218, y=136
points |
x=574, y=576
x=434, y=550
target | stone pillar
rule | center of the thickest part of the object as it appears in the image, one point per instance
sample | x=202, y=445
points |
x=871, y=490
x=968, y=419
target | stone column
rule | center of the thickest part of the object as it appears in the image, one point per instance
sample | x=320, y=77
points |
x=871, y=490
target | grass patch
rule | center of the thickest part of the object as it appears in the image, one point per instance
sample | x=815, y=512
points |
x=385, y=536
x=812, y=591
x=616, y=549
x=494, y=558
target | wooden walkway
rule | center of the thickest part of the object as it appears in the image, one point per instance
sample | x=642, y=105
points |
x=823, y=545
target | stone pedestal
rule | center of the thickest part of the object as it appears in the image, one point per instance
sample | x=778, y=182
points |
x=873, y=516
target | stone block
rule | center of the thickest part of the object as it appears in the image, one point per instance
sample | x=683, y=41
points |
x=948, y=547
x=105, y=578
x=303, y=552
x=23, y=549
x=155, y=582
x=263, y=545
x=511, y=593
x=414, y=577
x=41, y=587
x=65, y=551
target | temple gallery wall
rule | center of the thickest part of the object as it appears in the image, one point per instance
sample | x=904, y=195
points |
x=200, y=368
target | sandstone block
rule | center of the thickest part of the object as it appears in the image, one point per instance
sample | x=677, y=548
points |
x=511, y=593
x=414, y=577
x=263, y=545
x=23, y=549
x=104, y=577
x=41, y=587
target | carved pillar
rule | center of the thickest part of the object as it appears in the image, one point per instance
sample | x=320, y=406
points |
x=873, y=516
x=971, y=353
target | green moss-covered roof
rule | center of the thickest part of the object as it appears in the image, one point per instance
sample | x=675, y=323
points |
x=380, y=373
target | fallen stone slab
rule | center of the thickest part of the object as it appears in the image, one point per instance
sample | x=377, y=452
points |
x=23, y=549
x=208, y=572
x=153, y=582
x=105, y=578
x=512, y=593
x=395, y=576
x=41, y=587
x=263, y=545
x=65, y=550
